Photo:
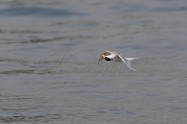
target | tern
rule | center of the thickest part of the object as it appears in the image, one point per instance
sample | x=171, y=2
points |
x=114, y=56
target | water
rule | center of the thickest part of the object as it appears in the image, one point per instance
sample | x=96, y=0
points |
x=48, y=62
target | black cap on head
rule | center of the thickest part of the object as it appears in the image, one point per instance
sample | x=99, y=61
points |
x=107, y=59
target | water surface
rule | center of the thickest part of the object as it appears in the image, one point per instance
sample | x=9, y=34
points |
x=48, y=62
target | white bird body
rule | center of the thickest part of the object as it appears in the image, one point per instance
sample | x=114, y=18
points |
x=114, y=56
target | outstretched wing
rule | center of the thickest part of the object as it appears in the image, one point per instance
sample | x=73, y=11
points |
x=127, y=61
x=101, y=58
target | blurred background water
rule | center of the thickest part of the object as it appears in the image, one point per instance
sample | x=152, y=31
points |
x=48, y=62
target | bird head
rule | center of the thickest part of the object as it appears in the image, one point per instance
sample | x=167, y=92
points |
x=107, y=59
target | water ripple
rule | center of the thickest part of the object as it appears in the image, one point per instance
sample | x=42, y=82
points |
x=169, y=9
x=38, y=11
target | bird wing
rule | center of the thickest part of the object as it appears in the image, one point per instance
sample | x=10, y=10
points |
x=101, y=58
x=118, y=58
x=127, y=61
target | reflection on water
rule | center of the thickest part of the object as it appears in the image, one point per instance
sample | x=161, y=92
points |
x=48, y=62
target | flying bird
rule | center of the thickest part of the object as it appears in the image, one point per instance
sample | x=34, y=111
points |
x=114, y=56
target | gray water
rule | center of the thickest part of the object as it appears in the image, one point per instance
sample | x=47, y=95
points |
x=48, y=62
